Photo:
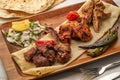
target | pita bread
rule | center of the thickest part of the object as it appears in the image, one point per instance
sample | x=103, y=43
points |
x=28, y=6
x=11, y=14
x=29, y=68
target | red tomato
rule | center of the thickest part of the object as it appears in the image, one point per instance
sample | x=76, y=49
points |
x=44, y=43
x=72, y=15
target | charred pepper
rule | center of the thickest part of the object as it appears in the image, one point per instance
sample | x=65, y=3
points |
x=111, y=37
x=97, y=51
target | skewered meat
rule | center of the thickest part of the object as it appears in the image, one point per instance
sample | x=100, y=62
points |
x=99, y=14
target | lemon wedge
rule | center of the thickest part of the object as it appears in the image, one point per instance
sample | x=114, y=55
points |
x=20, y=25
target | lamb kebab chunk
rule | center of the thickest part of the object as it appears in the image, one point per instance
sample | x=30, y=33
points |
x=63, y=52
x=48, y=52
x=34, y=55
x=99, y=14
x=40, y=60
x=42, y=55
x=44, y=49
x=29, y=55
x=63, y=49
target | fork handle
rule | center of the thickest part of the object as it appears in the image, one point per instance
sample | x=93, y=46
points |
x=111, y=65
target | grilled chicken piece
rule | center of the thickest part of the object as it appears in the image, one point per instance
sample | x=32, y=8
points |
x=65, y=33
x=98, y=14
x=74, y=36
x=81, y=30
x=87, y=11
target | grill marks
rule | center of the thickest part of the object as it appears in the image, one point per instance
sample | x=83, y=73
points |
x=75, y=30
x=98, y=14
x=49, y=54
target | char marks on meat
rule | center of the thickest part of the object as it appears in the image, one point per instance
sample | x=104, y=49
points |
x=63, y=52
x=29, y=54
x=81, y=30
x=47, y=55
x=63, y=49
x=40, y=60
x=99, y=14
x=87, y=11
x=75, y=29
x=65, y=33
x=49, y=52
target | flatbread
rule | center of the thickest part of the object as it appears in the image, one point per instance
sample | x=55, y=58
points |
x=12, y=14
x=29, y=68
x=57, y=2
x=18, y=14
x=28, y=6
x=106, y=24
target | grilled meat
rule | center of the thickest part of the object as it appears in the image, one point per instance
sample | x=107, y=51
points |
x=76, y=30
x=63, y=49
x=88, y=12
x=48, y=52
x=29, y=55
x=40, y=60
x=99, y=14
x=46, y=55
x=65, y=33
x=81, y=30
x=63, y=52
x=74, y=36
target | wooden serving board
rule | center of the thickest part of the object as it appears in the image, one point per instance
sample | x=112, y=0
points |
x=52, y=18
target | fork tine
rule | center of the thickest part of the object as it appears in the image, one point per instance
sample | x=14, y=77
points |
x=93, y=70
x=89, y=72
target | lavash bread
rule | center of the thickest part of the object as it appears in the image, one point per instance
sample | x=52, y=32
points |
x=75, y=51
x=28, y=6
x=57, y=2
x=9, y=13
x=12, y=14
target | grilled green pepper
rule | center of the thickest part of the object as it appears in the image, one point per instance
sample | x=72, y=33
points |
x=97, y=51
x=111, y=37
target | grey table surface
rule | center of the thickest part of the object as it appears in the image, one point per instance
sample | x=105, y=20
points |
x=75, y=74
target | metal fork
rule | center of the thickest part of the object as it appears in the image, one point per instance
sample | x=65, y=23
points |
x=94, y=72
